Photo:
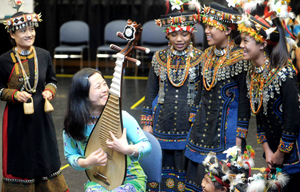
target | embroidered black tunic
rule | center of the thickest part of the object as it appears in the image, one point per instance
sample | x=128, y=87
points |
x=167, y=107
x=219, y=115
x=29, y=141
x=278, y=122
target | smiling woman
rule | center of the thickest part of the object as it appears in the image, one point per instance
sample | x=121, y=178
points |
x=26, y=74
x=171, y=89
x=220, y=113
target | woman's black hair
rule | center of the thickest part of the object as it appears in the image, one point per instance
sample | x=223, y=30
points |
x=77, y=114
x=279, y=54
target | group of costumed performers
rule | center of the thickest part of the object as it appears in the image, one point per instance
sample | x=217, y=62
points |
x=232, y=81
x=133, y=143
x=172, y=83
x=272, y=89
x=30, y=160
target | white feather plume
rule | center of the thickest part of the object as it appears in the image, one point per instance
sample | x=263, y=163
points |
x=251, y=5
x=194, y=4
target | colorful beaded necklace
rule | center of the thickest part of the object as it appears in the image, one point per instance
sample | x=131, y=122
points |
x=212, y=63
x=25, y=77
x=187, y=53
x=257, y=81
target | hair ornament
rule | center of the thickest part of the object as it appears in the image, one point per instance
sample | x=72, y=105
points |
x=267, y=179
x=281, y=8
x=180, y=21
x=21, y=21
x=230, y=172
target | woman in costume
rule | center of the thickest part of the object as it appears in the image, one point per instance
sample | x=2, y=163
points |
x=89, y=105
x=30, y=153
x=171, y=88
x=220, y=114
x=273, y=92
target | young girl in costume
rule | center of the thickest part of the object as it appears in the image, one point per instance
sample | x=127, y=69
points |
x=171, y=88
x=87, y=97
x=273, y=93
x=220, y=114
x=230, y=174
x=30, y=158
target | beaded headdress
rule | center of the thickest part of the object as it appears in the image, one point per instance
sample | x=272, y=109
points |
x=266, y=180
x=261, y=28
x=219, y=16
x=180, y=21
x=233, y=171
x=21, y=21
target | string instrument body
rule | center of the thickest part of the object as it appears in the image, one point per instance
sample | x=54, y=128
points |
x=113, y=174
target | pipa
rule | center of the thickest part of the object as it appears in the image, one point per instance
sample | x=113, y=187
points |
x=113, y=174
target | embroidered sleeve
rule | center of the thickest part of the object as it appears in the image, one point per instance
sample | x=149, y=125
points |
x=8, y=95
x=151, y=93
x=72, y=152
x=244, y=104
x=136, y=136
x=286, y=143
x=261, y=134
x=52, y=88
x=193, y=113
x=242, y=129
x=51, y=80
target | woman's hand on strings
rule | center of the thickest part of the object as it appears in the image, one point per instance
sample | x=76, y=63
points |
x=23, y=96
x=96, y=158
x=120, y=145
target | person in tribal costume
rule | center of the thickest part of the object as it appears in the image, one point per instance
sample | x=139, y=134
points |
x=273, y=92
x=220, y=113
x=171, y=88
x=133, y=143
x=30, y=158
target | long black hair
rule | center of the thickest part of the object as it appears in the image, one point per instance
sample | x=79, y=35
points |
x=279, y=54
x=77, y=114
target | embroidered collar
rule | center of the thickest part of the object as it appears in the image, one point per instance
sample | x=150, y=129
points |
x=180, y=53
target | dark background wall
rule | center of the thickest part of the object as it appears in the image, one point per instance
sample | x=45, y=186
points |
x=97, y=13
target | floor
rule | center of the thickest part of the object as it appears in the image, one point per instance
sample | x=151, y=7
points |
x=133, y=91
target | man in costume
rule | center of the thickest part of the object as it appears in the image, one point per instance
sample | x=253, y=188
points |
x=30, y=153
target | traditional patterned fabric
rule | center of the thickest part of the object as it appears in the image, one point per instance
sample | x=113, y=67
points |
x=54, y=182
x=223, y=113
x=278, y=124
x=169, y=99
x=36, y=130
x=135, y=176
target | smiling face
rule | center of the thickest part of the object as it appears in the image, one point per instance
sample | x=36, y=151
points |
x=98, y=93
x=180, y=39
x=24, y=37
x=216, y=36
x=252, y=49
